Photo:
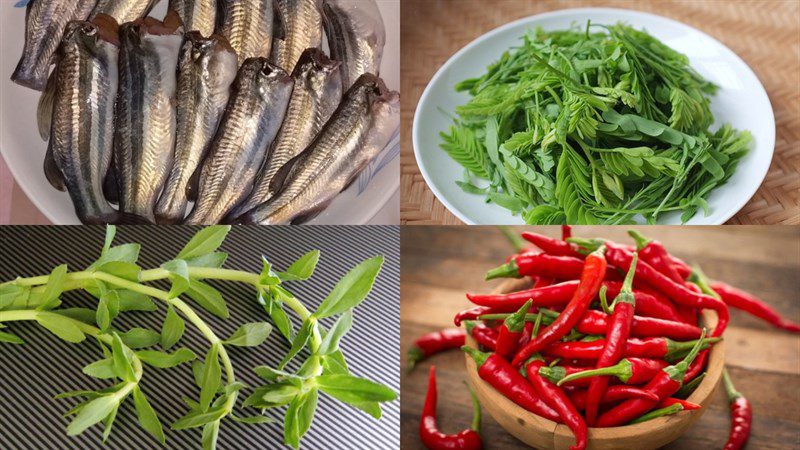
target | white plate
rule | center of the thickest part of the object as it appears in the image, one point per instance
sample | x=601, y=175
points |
x=23, y=150
x=741, y=101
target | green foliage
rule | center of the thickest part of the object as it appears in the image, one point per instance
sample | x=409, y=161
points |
x=630, y=113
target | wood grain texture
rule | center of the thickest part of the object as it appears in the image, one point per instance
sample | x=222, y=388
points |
x=440, y=264
x=765, y=34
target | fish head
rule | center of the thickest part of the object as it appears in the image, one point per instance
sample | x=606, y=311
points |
x=319, y=73
x=103, y=30
x=259, y=75
x=379, y=98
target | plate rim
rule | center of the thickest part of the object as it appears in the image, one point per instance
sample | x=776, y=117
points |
x=736, y=205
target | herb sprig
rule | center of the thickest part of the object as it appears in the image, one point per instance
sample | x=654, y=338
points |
x=584, y=128
x=119, y=285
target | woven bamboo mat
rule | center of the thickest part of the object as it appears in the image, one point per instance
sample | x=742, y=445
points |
x=766, y=34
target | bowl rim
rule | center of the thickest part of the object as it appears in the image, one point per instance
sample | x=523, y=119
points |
x=735, y=204
x=561, y=432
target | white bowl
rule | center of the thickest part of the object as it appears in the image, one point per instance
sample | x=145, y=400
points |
x=24, y=151
x=741, y=101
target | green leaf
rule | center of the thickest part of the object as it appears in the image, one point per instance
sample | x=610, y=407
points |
x=270, y=374
x=205, y=241
x=351, y=290
x=122, y=363
x=147, y=415
x=334, y=363
x=273, y=395
x=250, y=334
x=103, y=369
x=9, y=293
x=208, y=298
x=10, y=338
x=140, y=338
x=172, y=329
x=371, y=408
x=351, y=389
x=62, y=327
x=268, y=277
x=302, y=269
x=299, y=342
x=121, y=269
x=84, y=315
x=210, y=435
x=126, y=253
x=92, y=413
x=199, y=418
x=111, y=231
x=330, y=343
x=298, y=417
x=103, y=317
x=212, y=260
x=164, y=360
x=253, y=420
x=211, y=378
x=108, y=424
x=53, y=288
x=179, y=275
x=274, y=307
x=134, y=301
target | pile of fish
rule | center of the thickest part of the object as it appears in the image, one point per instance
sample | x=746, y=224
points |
x=227, y=104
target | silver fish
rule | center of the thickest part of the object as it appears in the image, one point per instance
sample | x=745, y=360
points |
x=124, y=10
x=254, y=114
x=145, y=114
x=82, y=132
x=206, y=69
x=356, y=36
x=359, y=129
x=248, y=26
x=300, y=28
x=197, y=15
x=317, y=92
x=45, y=21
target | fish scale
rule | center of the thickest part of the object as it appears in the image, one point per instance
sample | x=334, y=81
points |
x=301, y=23
x=256, y=109
x=316, y=94
x=359, y=129
x=45, y=21
x=145, y=132
x=247, y=25
x=82, y=131
x=197, y=15
x=123, y=10
x=356, y=36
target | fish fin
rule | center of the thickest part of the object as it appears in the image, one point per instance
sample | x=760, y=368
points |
x=284, y=173
x=278, y=27
x=193, y=186
x=51, y=170
x=116, y=217
x=44, y=112
x=110, y=186
x=311, y=213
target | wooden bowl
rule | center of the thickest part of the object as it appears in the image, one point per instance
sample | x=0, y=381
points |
x=545, y=434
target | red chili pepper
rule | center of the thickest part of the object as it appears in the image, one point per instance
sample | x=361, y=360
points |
x=551, y=246
x=541, y=282
x=526, y=335
x=591, y=277
x=435, y=342
x=687, y=406
x=435, y=439
x=639, y=348
x=558, y=400
x=666, y=383
x=558, y=267
x=511, y=332
x=496, y=371
x=697, y=366
x=653, y=252
x=566, y=232
x=471, y=314
x=677, y=292
x=627, y=370
x=482, y=334
x=557, y=294
x=648, y=303
x=747, y=302
x=619, y=328
x=613, y=394
x=741, y=415
x=596, y=322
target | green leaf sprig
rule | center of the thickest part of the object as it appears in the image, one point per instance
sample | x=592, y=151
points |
x=120, y=285
x=585, y=127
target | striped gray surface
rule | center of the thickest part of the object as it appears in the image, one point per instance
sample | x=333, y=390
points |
x=31, y=374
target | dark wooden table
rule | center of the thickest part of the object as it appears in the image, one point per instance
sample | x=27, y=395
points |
x=440, y=264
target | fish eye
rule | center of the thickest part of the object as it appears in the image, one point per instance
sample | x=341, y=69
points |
x=89, y=30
